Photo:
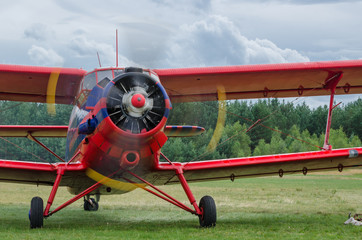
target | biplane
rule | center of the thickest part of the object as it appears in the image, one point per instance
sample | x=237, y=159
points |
x=118, y=127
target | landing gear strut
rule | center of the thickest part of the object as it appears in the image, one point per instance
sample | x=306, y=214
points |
x=206, y=210
x=36, y=214
x=90, y=204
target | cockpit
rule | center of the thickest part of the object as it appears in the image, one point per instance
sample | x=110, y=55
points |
x=101, y=77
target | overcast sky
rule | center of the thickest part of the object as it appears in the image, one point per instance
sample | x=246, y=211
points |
x=166, y=33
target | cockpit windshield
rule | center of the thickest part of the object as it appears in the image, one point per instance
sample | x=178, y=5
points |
x=100, y=77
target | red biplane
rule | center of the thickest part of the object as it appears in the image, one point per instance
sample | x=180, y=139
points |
x=118, y=127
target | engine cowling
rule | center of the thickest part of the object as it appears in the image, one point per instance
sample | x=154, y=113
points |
x=136, y=103
x=133, y=112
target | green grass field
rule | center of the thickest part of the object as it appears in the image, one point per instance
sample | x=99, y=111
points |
x=292, y=207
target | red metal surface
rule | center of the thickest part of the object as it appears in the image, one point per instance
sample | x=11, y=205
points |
x=34, y=130
x=251, y=81
x=161, y=194
x=60, y=173
x=187, y=190
x=41, y=167
x=138, y=100
x=258, y=68
x=30, y=83
x=331, y=84
x=260, y=160
x=82, y=194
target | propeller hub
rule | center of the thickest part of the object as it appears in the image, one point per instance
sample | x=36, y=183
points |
x=138, y=100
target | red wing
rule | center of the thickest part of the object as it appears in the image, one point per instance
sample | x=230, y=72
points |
x=35, y=131
x=39, y=84
x=40, y=173
x=266, y=165
x=260, y=81
x=36, y=172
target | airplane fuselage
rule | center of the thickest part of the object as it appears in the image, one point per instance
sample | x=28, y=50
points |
x=117, y=124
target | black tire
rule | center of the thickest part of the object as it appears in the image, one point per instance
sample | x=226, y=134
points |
x=208, y=208
x=90, y=205
x=36, y=213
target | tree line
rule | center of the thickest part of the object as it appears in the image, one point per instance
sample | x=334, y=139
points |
x=250, y=129
x=283, y=128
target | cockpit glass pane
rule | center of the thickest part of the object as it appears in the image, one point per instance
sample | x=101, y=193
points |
x=104, y=74
x=118, y=72
x=89, y=81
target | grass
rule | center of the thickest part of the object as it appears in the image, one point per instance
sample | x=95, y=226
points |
x=293, y=207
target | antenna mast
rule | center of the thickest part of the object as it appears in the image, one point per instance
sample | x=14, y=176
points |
x=116, y=47
x=99, y=60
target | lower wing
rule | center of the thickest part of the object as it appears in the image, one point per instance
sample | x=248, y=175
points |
x=39, y=173
x=338, y=159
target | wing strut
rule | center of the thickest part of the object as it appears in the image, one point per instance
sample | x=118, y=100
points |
x=60, y=173
x=331, y=84
x=32, y=138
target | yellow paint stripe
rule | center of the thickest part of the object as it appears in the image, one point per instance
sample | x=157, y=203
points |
x=123, y=186
x=51, y=90
x=220, y=119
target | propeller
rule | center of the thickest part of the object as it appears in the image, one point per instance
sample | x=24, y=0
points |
x=135, y=103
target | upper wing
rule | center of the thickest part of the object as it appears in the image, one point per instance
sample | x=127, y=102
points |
x=39, y=84
x=264, y=165
x=260, y=81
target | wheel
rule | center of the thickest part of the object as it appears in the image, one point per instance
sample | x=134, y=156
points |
x=90, y=205
x=36, y=213
x=208, y=208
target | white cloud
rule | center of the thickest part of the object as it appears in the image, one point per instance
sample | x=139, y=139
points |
x=45, y=57
x=217, y=41
x=84, y=47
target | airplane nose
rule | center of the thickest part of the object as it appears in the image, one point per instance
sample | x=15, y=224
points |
x=138, y=100
x=136, y=103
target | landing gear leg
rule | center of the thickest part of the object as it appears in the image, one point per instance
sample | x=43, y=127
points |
x=206, y=210
x=90, y=204
x=36, y=213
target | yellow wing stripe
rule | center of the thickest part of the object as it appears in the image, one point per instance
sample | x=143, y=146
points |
x=51, y=90
x=220, y=119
